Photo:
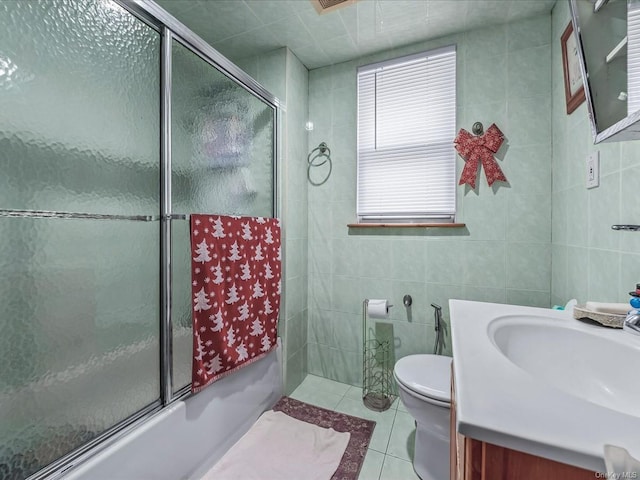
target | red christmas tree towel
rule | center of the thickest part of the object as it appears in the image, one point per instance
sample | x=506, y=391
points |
x=235, y=270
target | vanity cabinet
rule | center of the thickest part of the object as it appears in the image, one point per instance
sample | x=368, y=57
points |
x=476, y=460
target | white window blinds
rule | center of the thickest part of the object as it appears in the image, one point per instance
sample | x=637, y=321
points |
x=406, y=128
x=633, y=57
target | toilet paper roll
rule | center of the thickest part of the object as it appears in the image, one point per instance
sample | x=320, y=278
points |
x=378, y=308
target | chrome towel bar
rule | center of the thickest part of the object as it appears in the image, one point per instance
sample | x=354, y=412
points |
x=631, y=228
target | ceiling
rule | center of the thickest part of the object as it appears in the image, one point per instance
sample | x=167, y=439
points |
x=241, y=28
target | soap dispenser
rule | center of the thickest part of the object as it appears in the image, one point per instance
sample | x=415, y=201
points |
x=632, y=321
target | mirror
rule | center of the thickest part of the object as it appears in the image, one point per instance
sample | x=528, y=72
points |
x=608, y=39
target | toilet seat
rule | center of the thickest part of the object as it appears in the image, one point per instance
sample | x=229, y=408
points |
x=426, y=375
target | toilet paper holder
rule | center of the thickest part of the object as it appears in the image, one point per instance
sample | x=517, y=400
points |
x=377, y=308
x=377, y=364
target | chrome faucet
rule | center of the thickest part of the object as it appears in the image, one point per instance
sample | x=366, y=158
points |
x=632, y=322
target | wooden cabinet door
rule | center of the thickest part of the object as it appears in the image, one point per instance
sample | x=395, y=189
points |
x=472, y=459
x=499, y=463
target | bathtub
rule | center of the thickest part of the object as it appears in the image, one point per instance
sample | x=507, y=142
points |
x=186, y=439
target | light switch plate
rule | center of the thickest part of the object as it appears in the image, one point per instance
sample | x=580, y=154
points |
x=593, y=169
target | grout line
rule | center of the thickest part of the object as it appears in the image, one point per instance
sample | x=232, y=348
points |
x=377, y=451
x=382, y=466
x=391, y=432
x=396, y=457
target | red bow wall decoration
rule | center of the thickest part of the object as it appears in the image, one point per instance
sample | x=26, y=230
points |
x=476, y=149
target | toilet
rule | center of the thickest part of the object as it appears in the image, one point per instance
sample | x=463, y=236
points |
x=424, y=384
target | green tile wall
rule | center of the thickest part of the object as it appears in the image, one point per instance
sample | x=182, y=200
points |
x=287, y=78
x=590, y=261
x=504, y=254
x=542, y=240
x=296, y=228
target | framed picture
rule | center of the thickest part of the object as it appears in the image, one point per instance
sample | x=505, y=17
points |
x=573, y=85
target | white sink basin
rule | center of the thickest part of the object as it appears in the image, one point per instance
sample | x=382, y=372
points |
x=538, y=381
x=581, y=363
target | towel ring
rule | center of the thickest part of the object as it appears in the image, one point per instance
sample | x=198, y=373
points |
x=322, y=156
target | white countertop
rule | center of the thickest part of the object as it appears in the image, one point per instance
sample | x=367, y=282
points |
x=501, y=403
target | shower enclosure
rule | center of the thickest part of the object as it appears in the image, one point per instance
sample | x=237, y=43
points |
x=116, y=123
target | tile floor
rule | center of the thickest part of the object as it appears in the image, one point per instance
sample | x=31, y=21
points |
x=391, y=448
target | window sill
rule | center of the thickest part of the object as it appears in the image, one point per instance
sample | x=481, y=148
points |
x=406, y=225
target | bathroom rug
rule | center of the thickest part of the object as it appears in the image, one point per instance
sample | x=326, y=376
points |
x=297, y=441
x=280, y=447
x=360, y=431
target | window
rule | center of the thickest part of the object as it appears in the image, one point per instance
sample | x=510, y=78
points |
x=406, y=128
x=633, y=57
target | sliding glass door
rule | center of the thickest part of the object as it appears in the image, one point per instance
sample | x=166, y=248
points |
x=79, y=244
x=222, y=162
x=95, y=301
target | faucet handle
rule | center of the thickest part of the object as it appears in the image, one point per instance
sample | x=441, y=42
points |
x=632, y=322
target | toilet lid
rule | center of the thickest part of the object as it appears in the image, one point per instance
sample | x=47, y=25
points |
x=428, y=375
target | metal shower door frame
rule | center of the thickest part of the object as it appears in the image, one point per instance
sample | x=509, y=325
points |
x=170, y=29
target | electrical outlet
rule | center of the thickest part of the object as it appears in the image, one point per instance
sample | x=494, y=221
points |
x=593, y=169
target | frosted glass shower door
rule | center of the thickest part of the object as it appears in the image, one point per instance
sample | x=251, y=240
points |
x=79, y=236
x=222, y=162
